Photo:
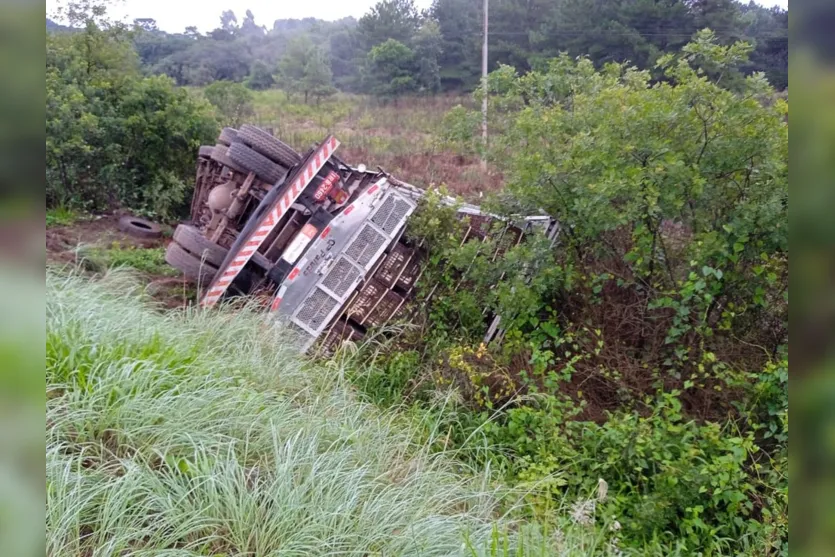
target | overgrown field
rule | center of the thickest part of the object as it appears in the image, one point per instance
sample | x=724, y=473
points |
x=206, y=434
x=405, y=137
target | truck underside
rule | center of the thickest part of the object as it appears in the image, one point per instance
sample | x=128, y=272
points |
x=317, y=243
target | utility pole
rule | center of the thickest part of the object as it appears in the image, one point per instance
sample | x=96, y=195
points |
x=484, y=93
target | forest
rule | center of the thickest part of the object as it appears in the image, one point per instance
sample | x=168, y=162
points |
x=396, y=49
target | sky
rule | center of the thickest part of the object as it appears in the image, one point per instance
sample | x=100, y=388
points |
x=174, y=16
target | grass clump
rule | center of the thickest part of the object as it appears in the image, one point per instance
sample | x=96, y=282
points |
x=191, y=433
x=146, y=260
x=62, y=216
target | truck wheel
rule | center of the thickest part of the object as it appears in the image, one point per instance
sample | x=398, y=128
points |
x=264, y=143
x=205, y=151
x=140, y=228
x=191, y=266
x=220, y=155
x=264, y=168
x=191, y=239
x=228, y=136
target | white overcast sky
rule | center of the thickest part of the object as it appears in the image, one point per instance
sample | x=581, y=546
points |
x=175, y=15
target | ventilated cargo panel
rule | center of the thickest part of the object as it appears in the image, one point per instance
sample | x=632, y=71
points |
x=508, y=240
x=393, y=264
x=366, y=245
x=479, y=225
x=391, y=213
x=384, y=309
x=409, y=275
x=340, y=332
x=341, y=278
x=315, y=309
x=371, y=292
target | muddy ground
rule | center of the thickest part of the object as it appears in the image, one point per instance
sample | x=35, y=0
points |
x=69, y=246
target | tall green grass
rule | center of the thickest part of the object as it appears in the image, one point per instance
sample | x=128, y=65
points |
x=190, y=433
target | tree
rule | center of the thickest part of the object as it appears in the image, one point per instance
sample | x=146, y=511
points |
x=346, y=56
x=232, y=101
x=427, y=50
x=768, y=30
x=260, y=76
x=291, y=66
x=459, y=24
x=305, y=69
x=722, y=16
x=228, y=21
x=115, y=138
x=389, y=19
x=391, y=69
x=153, y=45
x=146, y=24
x=685, y=151
x=249, y=28
x=318, y=77
x=672, y=198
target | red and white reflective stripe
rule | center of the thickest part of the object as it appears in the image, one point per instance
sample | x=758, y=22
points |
x=268, y=223
x=278, y=297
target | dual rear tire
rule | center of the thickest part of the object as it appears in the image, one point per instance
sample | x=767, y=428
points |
x=197, y=257
x=252, y=149
x=265, y=144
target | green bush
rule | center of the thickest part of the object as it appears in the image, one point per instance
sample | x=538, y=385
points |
x=648, y=349
x=667, y=475
x=232, y=102
x=114, y=138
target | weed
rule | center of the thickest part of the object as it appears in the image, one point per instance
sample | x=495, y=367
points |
x=146, y=260
x=62, y=216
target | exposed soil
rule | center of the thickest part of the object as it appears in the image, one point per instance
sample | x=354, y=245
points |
x=62, y=242
x=102, y=231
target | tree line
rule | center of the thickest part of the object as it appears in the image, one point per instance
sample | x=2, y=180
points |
x=396, y=48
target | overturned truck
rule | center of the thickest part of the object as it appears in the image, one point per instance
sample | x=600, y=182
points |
x=316, y=242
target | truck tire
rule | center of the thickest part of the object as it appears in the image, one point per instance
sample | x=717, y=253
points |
x=264, y=168
x=228, y=136
x=220, y=155
x=191, y=239
x=205, y=151
x=190, y=265
x=264, y=143
x=140, y=228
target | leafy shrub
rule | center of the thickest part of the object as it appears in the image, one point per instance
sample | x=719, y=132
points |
x=260, y=76
x=232, y=101
x=666, y=473
x=115, y=138
x=647, y=350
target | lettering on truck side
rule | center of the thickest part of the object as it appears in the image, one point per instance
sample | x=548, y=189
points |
x=318, y=257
